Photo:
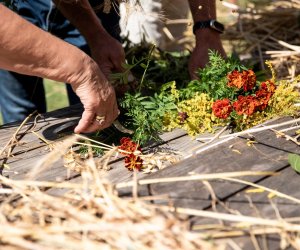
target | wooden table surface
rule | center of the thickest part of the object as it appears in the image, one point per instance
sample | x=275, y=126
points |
x=268, y=153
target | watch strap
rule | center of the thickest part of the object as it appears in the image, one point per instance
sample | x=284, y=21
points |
x=201, y=25
x=212, y=24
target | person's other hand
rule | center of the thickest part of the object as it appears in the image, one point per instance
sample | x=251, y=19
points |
x=206, y=39
x=108, y=53
x=98, y=99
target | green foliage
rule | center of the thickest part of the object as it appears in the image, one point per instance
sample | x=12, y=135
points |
x=148, y=106
x=157, y=67
x=294, y=161
x=212, y=78
x=95, y=150
x=146, y=114
x=159, y=103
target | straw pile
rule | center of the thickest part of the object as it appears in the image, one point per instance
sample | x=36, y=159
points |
x=270, y=32
x=87, y=215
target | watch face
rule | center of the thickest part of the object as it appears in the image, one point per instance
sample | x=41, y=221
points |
x=217, y=26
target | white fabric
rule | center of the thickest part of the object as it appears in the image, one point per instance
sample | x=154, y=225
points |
x=145, y=19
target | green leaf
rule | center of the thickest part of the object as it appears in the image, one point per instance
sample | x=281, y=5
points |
x=294, y=161
x=143, y=65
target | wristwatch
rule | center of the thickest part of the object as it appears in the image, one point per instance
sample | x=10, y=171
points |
x=211, y=24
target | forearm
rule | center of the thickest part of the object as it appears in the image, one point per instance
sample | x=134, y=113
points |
x=105, y=50
x=203, y=10
x=27, y=49
x=83, y=17
x=206, y=38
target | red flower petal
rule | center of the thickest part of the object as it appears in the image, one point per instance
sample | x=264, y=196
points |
x=222, y=108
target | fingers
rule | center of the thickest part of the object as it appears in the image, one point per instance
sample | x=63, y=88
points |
x=109, y=60
x=85, y=123
x=106, y=69
x=89, y=122
x=118, y=61
x=98, y=117
x=193, y=67
x=100, y=104
x=192, y=71
x=118, y=57
x=111, y=63
x=198, y=59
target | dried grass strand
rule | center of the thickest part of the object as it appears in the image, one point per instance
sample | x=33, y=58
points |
x=199, y=177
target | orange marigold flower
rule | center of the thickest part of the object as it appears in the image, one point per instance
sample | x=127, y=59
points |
x=264, y=94
x=133, y=161
x=245, y=79
x=128, y=145
x=262, y=97
x=245, y=105
x=268, y=86
x=222, y=108
x=235, y=79
x=249, y=78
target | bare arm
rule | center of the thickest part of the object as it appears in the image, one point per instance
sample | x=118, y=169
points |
x=206, y=39
x=83, y=17
x=203, y=9
x=27, y=49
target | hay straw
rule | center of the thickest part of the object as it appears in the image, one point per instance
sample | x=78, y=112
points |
x=198, y=177
x=269, y=32
x=272, y=191
x=93, y=218
x=259, y=128
x=13, y=141
x=244, y=221
x=59, y=150
x=90, y=215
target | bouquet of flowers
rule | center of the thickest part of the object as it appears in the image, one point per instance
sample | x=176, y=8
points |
x=229, y=93
x=248, y=96
x=226, y=92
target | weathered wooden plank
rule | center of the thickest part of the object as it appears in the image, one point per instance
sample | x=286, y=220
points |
x=236, y=155
x=43, y=126
x=269, y=153
x=177, y=141
x=286, y=182
x=260, y=205
x=220, y=159
x=30, y=149
x=23, y=163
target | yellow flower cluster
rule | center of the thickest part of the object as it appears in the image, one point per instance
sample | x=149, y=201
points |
x=256, y=118
x=284, y=99
x=199, y=117
x=270, y=66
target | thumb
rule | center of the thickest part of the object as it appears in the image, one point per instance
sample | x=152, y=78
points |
x=106, y=70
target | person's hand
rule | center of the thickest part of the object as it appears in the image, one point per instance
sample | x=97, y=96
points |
x=105, y=50
x=99, y=102
x=206, y=39
x=108, y=53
